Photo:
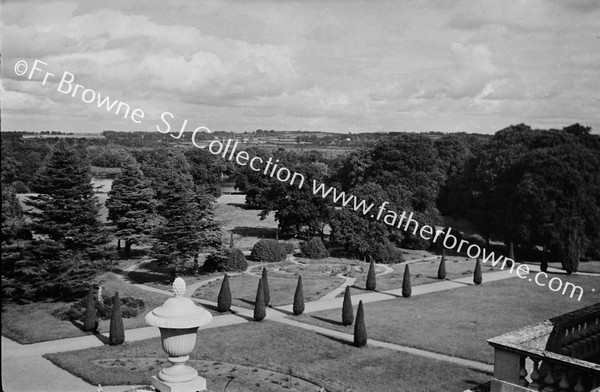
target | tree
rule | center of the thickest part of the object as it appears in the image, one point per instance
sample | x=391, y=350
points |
x=442, y=268
x=371, y=279
x=511, y=255
x=189, y=226
x=360, y=329
x=224, y=298
x=477, y=276
x=131, y=205
x=117, y=331
x=544, y=264
x=90, y=318
x=406, y=286
x=299, y=298
x=259, y=305
x=231, y=243
x=13, y=221
x=347, y=311
x=66, y=210
x=265, y=283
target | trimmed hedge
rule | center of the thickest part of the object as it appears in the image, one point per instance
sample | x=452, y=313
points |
x=360, y=329
x=225, y=260
x=130, y=307
x=289, y=247
x=268, y=251
x=313, y=249
x=224, y=298
x=116, y=334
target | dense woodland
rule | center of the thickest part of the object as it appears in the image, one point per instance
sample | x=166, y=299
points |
x=538, y=189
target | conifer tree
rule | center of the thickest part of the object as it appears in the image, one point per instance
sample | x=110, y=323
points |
x=224, y=298
x=117, y=331
x=299, y=298
x=259, y=305
x=347, y=311
x=131, y=205
x=544, y=264
x=406, y=286
x=189, y=226
x=265, y=282
x=66, y=209
x=442, y=268
x=360, y=329
x=371, y=279
x=477, y=276
x=90, y=318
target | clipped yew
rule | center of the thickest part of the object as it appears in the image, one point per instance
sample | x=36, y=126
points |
x=477, y=275
x=260, y=311
x=544, y=265
x=511, y=255
x=371, y=279
x=224, y=298
x=90, y=318
x=406, y=286
x=298, y=308
x=265, y=282
x=442, y=268
x=360, y=330
x=117, y=331
x=347, y=311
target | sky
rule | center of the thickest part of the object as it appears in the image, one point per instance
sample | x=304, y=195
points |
x=338, y=66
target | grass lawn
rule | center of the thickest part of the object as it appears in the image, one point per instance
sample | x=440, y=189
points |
x=421, y=272
x=17, y=319
x=334, y=365
x=458, y=322
x=245, y=224
x=281, y=287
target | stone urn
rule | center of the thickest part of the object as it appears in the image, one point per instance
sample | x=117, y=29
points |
x=178, y=320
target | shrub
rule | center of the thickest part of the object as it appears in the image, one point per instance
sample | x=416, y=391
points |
x=371, y=279
x=544, y=265
x=313, y=249
x=477, y=277
x=406, y=286
x=90, y=319
x=347, y=311
x=224, y=298
x=290, y=248
x=442, y=268
x=386, y=253
x=360, y=330
x=117, y=331
x=225, y=260
x=511, y=255
x=259, y=305
x=299, y=298
x=130, y=307
x=265, y=284
x=268, y=251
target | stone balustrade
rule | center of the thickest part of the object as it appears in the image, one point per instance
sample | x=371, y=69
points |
x=557, y=355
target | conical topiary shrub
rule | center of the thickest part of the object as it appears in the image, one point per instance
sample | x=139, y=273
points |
x=511, y=255
x=347, y=311
x=371, y=279
x=477, y=276
x=231, y=243
x=260, y=311
x=299, y=298
x=224, y=298
x=265, y=282
x=406, y=286
x=544, y=265
x=117, y=331
x=360, y=330
x=442, y=268
x=90, y=319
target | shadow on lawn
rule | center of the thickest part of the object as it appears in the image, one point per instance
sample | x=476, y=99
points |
x=147, y=277
x=339, y=323
x=338, y=340
x=95, y=333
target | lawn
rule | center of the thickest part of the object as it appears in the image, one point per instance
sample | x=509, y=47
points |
x=281, y=287
x=245, y=224
x=276, y=348
x=17, y=320
x=458, y=322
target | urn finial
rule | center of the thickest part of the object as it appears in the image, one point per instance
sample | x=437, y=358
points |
x=179, y=287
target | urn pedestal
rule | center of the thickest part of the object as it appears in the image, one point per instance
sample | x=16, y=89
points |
x=178, y=320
